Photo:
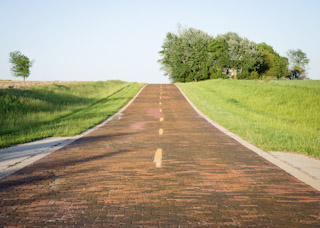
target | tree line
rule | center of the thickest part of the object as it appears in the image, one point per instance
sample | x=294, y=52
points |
x=193, y=55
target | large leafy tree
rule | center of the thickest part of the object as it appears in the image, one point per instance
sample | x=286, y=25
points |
x=232, y=52
x=273, y=64
x=184, y=55
x=298, y=63
x=219, y=57
x=20, y=64
x=244, y=55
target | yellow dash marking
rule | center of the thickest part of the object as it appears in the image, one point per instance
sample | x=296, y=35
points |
x=160, y=97
x=158, y=157
x=161, y=119
x=160, y=103
x=161, y=131
x=160, y=110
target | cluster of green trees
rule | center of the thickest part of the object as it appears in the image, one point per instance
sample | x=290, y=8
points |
x=193, y=55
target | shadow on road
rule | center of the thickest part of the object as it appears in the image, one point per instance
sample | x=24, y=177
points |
x=44, y=171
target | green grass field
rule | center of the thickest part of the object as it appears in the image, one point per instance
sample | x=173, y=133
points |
x=59, y=110
x=275, y=116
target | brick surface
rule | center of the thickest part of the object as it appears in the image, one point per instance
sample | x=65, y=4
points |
x=109, y=178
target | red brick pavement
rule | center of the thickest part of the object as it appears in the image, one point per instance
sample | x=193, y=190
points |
x=109, y=178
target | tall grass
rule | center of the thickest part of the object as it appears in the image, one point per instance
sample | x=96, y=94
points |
x=59, y=110
x=274, y=115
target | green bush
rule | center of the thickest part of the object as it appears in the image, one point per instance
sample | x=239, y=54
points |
x=254, y=75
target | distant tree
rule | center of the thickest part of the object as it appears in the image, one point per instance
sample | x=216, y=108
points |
x=298, y=63
x=273, y=64
x=184, y=55
x=20, y=64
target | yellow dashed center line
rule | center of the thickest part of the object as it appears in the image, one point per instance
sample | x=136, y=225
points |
x=158, y=157
x=158, y=154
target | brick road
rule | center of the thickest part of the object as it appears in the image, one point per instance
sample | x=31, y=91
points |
x=157, y=165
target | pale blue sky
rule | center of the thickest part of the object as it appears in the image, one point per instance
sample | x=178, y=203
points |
x=102, y=40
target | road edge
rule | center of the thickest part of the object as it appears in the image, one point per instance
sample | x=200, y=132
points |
x=302, y=176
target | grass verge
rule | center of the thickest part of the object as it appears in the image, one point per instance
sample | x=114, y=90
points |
x=274, y=115
x=59, y=110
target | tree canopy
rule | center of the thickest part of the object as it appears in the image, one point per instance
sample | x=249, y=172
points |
x=232, y=52
x=184, y=55
x=20, y=64
x=273, y=64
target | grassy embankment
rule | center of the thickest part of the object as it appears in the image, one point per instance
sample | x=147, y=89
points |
x=59, y=110
x=274, y=115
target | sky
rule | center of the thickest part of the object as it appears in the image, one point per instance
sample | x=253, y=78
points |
x=97, y=40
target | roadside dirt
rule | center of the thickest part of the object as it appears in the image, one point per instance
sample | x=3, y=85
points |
x=27, y=84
